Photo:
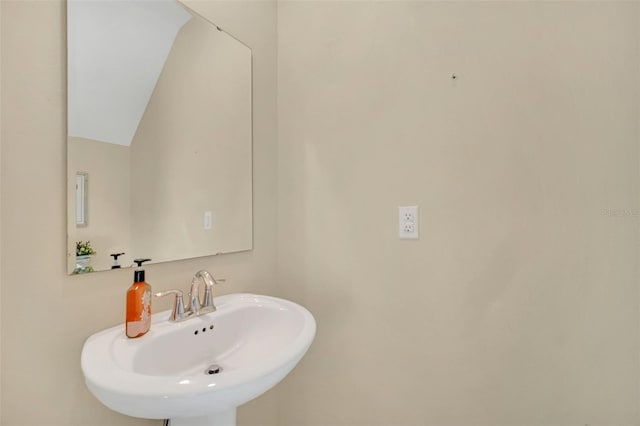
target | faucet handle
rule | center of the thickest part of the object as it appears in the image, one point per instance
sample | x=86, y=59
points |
x=178, y=312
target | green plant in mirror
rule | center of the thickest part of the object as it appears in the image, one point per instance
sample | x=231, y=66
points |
x=84, y=251
x=83, y=248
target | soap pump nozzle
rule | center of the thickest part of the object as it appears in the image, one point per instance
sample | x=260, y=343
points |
x=139, y=273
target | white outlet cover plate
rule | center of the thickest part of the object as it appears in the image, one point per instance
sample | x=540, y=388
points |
x=408, y=222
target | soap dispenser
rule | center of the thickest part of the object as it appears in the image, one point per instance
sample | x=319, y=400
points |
x=138, y=321
x=115, y=256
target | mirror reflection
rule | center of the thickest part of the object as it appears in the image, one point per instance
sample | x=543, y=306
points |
x=159, y=135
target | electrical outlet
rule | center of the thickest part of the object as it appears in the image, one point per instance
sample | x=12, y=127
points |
x=408, y=228
x=408, y=222
x=208, y=219
x=408, y=215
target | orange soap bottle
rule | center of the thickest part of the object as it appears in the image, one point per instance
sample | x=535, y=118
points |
x=138, y=321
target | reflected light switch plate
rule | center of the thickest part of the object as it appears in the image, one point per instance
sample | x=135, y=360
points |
x=207, y=220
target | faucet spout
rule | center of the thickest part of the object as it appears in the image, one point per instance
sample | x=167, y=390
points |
x=207, y=304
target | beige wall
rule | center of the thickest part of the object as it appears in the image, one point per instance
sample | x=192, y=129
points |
x=519, y=303
x=47, y=315
x=108, y=227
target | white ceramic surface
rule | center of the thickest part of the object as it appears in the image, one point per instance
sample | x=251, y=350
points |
x=256, y=340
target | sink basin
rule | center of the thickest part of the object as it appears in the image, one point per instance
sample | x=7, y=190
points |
x=198, y=371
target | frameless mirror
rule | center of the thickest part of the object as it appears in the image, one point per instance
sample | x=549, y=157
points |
x=159, y=121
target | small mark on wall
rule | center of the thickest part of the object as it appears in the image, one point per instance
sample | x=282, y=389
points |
x=454, y=79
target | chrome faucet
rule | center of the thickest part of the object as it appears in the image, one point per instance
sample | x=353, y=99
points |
x=195, y=308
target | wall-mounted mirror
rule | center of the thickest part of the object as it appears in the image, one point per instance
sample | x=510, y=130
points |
x=159, y=121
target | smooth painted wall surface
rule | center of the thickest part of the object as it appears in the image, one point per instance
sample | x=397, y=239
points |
x=47, y=315
x=518, y=305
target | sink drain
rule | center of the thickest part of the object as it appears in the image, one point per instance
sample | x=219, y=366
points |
x=213, y=369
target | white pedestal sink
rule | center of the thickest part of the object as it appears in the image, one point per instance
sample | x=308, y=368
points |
x=254, y=340
x=223, y=418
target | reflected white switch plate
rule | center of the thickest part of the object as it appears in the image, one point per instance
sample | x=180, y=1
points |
x=208, y=219
x=408, y=222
